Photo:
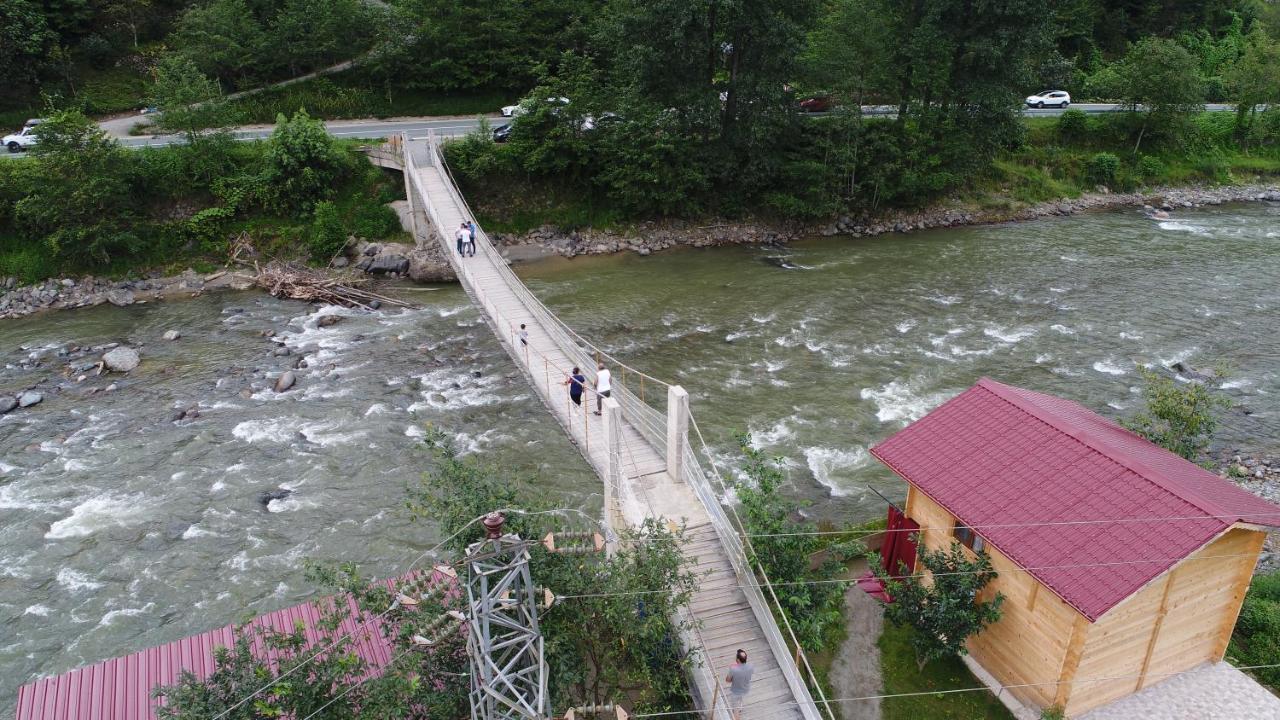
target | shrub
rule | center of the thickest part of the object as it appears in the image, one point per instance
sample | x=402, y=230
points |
x=376, y=221
x=328, y=232
x=1256, y=640
x=1073, y=125
x=207, y=229
x=1180, y=418
x=1102, y=168
x=303, y=164
x=1150, y=167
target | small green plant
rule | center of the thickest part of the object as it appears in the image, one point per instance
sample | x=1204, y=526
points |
x=328, y=233
x=1053, y=713
x=1256, y=640
x=376, y=221
x=1102, y=168
x=1073, y=126
x=943, y=608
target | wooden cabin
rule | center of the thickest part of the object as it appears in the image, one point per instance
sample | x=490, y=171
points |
x=1120, y=562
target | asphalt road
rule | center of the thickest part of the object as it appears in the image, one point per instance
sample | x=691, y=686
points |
x=452, y=126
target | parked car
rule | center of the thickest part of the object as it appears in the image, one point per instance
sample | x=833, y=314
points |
x=22, y=139
x=817, y=103
x=502, y=133
x=1049, y=98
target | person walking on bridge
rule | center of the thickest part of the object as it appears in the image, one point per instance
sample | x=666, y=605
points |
x=604, y=386
x=739, y=679
x=576, y=382
x=463, y=235
x=471, y=225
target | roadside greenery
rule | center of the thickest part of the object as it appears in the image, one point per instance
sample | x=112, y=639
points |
x=1179, y=417
x=83, y=204
x=1256, y=639
x=612, y=639
x=940, y=601
x=804, y=567
x=923, y=693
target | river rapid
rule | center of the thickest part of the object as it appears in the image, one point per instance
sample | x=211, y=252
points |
x=122, y=528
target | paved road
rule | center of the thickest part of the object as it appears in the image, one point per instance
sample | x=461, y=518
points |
x=451, y=126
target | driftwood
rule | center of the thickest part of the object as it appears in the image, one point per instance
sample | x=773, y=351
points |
x=299, y=282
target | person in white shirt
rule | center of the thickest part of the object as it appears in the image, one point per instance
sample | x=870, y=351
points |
x=604, y=386
x=463, y=235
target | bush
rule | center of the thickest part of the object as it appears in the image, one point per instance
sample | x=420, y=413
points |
x=303, y=164
x=1073, y=126
x=1256, y=640
x=376, y=221
x=328, y=233
x=1151, y=167
x=1102, y=168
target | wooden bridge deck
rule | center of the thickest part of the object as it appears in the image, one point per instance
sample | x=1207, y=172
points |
x=725, y=617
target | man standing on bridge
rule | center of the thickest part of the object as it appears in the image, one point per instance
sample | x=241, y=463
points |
x=604, y=386
x=463, y=236
x=739, y=679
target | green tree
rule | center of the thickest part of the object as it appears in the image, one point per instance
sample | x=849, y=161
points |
x=189, y=102
x=311, y=34
x=224, y=39
x=328, y=232
x=25, y=40
x=80, y=204
x=303, y=164
x=1179, y=417
x=1254, y=79
x=812, y=596
x=1161, y=80
x=943, y=606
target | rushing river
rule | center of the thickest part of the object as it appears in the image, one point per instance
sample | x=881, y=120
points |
x=121, y=528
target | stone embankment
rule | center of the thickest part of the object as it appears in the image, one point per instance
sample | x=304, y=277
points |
x=18, y=301
x=1259, y=474
x=648, y=237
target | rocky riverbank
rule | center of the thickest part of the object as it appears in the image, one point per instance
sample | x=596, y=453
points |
x=1260, y=475
x=648, y=237
x=54, y=294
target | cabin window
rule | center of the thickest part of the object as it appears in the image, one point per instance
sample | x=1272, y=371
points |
x=968, y=538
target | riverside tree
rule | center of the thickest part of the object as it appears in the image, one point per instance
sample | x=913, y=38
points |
x=302, y=164
x=1179, y=417
x=1160, y=80
x=941, y=604
x=189, y=102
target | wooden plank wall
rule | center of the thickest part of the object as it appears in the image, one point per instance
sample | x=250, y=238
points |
x=1176, y=622
x=1030, y=641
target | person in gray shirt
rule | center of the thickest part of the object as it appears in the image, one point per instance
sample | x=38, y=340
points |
x=739, y=679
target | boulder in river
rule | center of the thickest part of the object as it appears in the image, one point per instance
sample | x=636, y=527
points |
x=278, y=494
x=122, y=359
x=7, y=403
x=285, y=381
x=29, y=398
x=172, y=335
x=327, y=320
x=282, y=351
x=384, y=264
x=120, y=297
x=1185, y=370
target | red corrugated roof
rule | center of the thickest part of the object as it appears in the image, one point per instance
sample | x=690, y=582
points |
x=1003, y=460
x=120, y=688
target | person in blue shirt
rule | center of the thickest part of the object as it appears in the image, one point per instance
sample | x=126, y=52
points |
x=575, y=383
x=471, y=224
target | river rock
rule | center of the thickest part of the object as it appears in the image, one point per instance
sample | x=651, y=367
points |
x=29, y=398
x=278, y=494
x=340, y=262
x=328, y=320
x=7, y=403
x=285, y=381
x=172, y=335
x=282, y=351
x=375, y=304
x=122, y=359
x=1191, y=373
x=120, y=297
x=385, y=264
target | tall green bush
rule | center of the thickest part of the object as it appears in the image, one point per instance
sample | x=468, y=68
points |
x=303, y=164
x=1102, y=168
x=1073, y=126
x=328, y=232
x=1179, y=417
x=1256, y=640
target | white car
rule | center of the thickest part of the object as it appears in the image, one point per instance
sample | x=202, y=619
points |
x=522, y=107
x=1049, y=98
x=20, y=140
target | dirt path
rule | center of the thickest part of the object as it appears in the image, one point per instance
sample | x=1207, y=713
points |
x=855, y=672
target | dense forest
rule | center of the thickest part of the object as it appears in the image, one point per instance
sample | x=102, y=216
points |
x=690, y=108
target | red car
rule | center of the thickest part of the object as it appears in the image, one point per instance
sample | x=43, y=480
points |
x=817, y=103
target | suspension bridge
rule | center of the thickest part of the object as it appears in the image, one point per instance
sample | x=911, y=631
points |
x=640, y=446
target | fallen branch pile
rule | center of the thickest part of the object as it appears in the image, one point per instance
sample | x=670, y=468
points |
x=303, y=283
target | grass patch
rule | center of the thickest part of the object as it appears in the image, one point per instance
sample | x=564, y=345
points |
x=898, y=666
x=350, y=95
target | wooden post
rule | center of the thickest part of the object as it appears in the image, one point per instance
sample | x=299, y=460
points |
x=677, y=430
x=1155, y=630
x=715, y=696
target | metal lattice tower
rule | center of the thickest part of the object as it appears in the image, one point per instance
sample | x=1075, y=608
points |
x=508, y=669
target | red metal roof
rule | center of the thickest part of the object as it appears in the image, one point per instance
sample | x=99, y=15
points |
x=120, y=688
x=1007, y=461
